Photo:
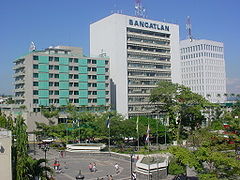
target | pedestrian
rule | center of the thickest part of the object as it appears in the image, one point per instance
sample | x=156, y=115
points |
x=110, y=177
x=90, y=167
x=116, y=168
x=94, y=167
x=61, y=152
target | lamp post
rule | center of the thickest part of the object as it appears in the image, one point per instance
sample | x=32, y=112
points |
x=131, y=166
x=45, y=148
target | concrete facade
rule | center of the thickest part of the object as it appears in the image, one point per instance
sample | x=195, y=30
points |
x=203, y=68
x=142, y=52
x=5, y=154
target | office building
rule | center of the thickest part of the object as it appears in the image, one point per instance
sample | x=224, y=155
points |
x=60, y=75
x=142, y=53
x=203, y=68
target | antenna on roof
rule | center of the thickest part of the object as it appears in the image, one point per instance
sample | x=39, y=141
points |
x=140, y=11
x=189, y=28
x=32, y=46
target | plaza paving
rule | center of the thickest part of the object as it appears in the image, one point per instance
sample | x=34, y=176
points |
x=75, y=161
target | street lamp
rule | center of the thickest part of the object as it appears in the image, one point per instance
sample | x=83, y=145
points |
x=45, y=148
x=131, y=166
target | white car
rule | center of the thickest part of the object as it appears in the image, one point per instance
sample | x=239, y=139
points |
x=48, y=140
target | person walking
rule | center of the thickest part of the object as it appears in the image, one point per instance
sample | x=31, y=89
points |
x=116, y=168
x=94, y=168
x=90, y=167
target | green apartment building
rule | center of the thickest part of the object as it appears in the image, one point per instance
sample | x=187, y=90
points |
x=61, y=75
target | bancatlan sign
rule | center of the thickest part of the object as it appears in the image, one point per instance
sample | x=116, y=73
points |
x=148, y=25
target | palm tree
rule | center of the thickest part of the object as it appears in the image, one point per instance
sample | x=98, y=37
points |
x=37, y=171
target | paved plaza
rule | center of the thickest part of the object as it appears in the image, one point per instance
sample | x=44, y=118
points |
x=72, y=162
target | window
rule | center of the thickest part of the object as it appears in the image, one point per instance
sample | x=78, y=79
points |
x=35, y=92
x=94, y=62
x=71, y=84
x=106, y=85
x=89, y=61
x=75, y=84
x=50, y=67
x=75, y=60
x=35, y=83
x=50, y=83
x=35, y=66
x=50, y=75
x=35, y=75
x=70, y=59
x=56, y=67
x=76, y=93
x=106, y=69
x=70, y=68
x=106, y=77
x=50, y=58
x=56, y=92
x=56, y=59
x=106, y=62
x=56, y=83
x=75, y=76
x=70, y=92
x=76, y=100
x=56, y=75
x=35, y=101
x=35, y=57
x=50, y=92
x=75, y=68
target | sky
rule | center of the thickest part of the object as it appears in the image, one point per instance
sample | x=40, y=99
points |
x=66, y=22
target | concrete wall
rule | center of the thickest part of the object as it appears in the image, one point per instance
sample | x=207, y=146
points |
x=5, y=155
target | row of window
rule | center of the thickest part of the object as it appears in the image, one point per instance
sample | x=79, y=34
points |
x=51, y=92
x=201, y=61
x=148, y=49
x=201, y=47
x=148, y=57
x=71, y=84
x=149, y=74
x=151, y=33
x=158, y=42
x=139, y=91
x=75, y=60
x=205, y=54
x=51, y=101
x=149, y=66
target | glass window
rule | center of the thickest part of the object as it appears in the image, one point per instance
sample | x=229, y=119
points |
x=35, y=101
x=75, y=68
x=50, y=67
x=50, y=83
x=75, y=84
x=70, y=59
x=35, y=57
x=56, y=67
x=50, y=58
x=56, y=83
x=35, y=66
x=50, y=92
x=56, y=92
x=35, y=92
x=35, y=83
x=94, y=61
x=76, y=100
x=76, y=93
x=35, y=75
x=56, y=75
x=50, y=75
x=56, y=59
x=75, y=60
x=75, y=76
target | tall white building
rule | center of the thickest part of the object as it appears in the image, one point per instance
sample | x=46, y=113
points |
x=142, y=52
x=203, y=68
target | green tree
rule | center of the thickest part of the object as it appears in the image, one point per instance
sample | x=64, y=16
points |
x=36, y=170
x=20, y=148
x=177, y=100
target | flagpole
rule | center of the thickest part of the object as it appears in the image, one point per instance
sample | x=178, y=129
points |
x=148, y=151
x=109, y=149
x=138, y=131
